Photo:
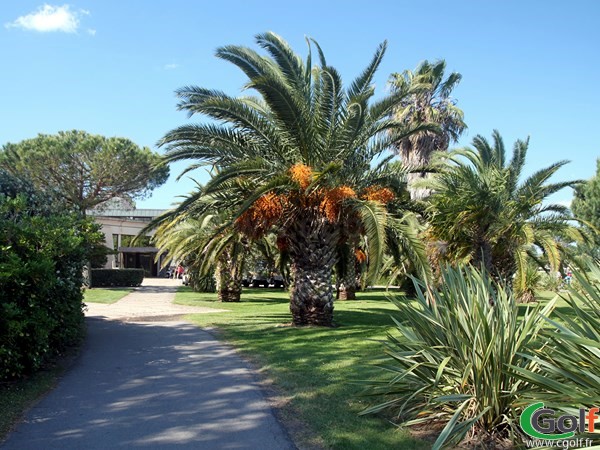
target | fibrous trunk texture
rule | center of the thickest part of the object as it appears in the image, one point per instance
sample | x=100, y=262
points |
x=312, y=249
x=347, y=285
x=229, y=280
x=416, y=152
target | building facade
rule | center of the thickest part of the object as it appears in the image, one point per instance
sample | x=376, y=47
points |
x=120, y=227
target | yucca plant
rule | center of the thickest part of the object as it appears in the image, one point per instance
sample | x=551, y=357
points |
x=567, y=368
x=448, y=361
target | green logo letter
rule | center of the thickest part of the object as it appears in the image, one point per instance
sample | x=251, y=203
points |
x=529, y=423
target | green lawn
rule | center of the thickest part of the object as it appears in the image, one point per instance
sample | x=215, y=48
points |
x=315, y=367
x=99, y=295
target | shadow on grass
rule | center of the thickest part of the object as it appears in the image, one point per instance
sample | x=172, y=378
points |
x=317, y=368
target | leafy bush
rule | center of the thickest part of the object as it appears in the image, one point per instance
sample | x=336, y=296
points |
x=531, y=278
x=449, y=364
x=202, y=283
x=551, y=282
x=117, y=277
x=42, y=253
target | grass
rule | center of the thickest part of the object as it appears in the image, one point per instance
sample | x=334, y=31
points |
x=315, y=368
x=107, y=296
x=16, y=397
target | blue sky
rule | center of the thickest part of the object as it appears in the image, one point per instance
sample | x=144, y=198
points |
x=530, y=68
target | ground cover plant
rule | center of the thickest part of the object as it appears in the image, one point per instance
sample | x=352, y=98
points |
x=106, y=296
x=313, y=367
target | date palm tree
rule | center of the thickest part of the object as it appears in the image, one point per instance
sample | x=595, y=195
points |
x=484, y=214
x=430, y=102
x=297, y=159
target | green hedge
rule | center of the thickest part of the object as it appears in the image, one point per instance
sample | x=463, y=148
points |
x=43, y=248
x=117, y=277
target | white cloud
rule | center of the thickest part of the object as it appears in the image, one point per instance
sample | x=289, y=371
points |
x=48, y=18
x=170, y=66
x=91, y=32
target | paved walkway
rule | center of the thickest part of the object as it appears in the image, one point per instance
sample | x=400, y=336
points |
x=145, y=382
x=150, y=303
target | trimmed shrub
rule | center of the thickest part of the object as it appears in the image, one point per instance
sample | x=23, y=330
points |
x=117, y=277
x=43, y=248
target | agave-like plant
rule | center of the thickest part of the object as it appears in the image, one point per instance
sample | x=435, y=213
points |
x=448, y=363
x=567, y=368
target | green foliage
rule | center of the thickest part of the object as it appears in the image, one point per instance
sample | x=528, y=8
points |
x=552, y=282
x=527, y=291
x=43, y=248
x=301, y=159
x=213, y=255
x=586, y=206
x=448, y=365
x=483, y=213
x=566, y=368
x=202, y=283
x=97, y=250
x=117, y=277
x=85, y=170
x=429, y=101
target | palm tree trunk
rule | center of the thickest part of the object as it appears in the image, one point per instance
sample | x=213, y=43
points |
x=482, y=256
x=229, y=283
x=417, y=155
x=347, y=284
x=312, y=249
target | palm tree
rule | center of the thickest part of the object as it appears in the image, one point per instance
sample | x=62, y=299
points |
x=430, y=102
x=481, y=213
x=208, y=249
x=297, y=160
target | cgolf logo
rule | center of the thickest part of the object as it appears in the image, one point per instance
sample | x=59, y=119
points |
x=541, y=423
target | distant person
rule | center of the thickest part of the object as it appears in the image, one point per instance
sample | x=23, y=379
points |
x=180, y=271
x=569, y=276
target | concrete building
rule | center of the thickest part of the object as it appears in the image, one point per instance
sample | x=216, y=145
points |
x=120, y=226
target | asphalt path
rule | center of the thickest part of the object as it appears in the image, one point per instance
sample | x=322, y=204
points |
x=149, y=381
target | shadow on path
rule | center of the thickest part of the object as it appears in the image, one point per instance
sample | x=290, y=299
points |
x=152, y=385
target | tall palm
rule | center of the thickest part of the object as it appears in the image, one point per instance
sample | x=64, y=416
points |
x=480, y=211
x=430, y=102
x=297, y=159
